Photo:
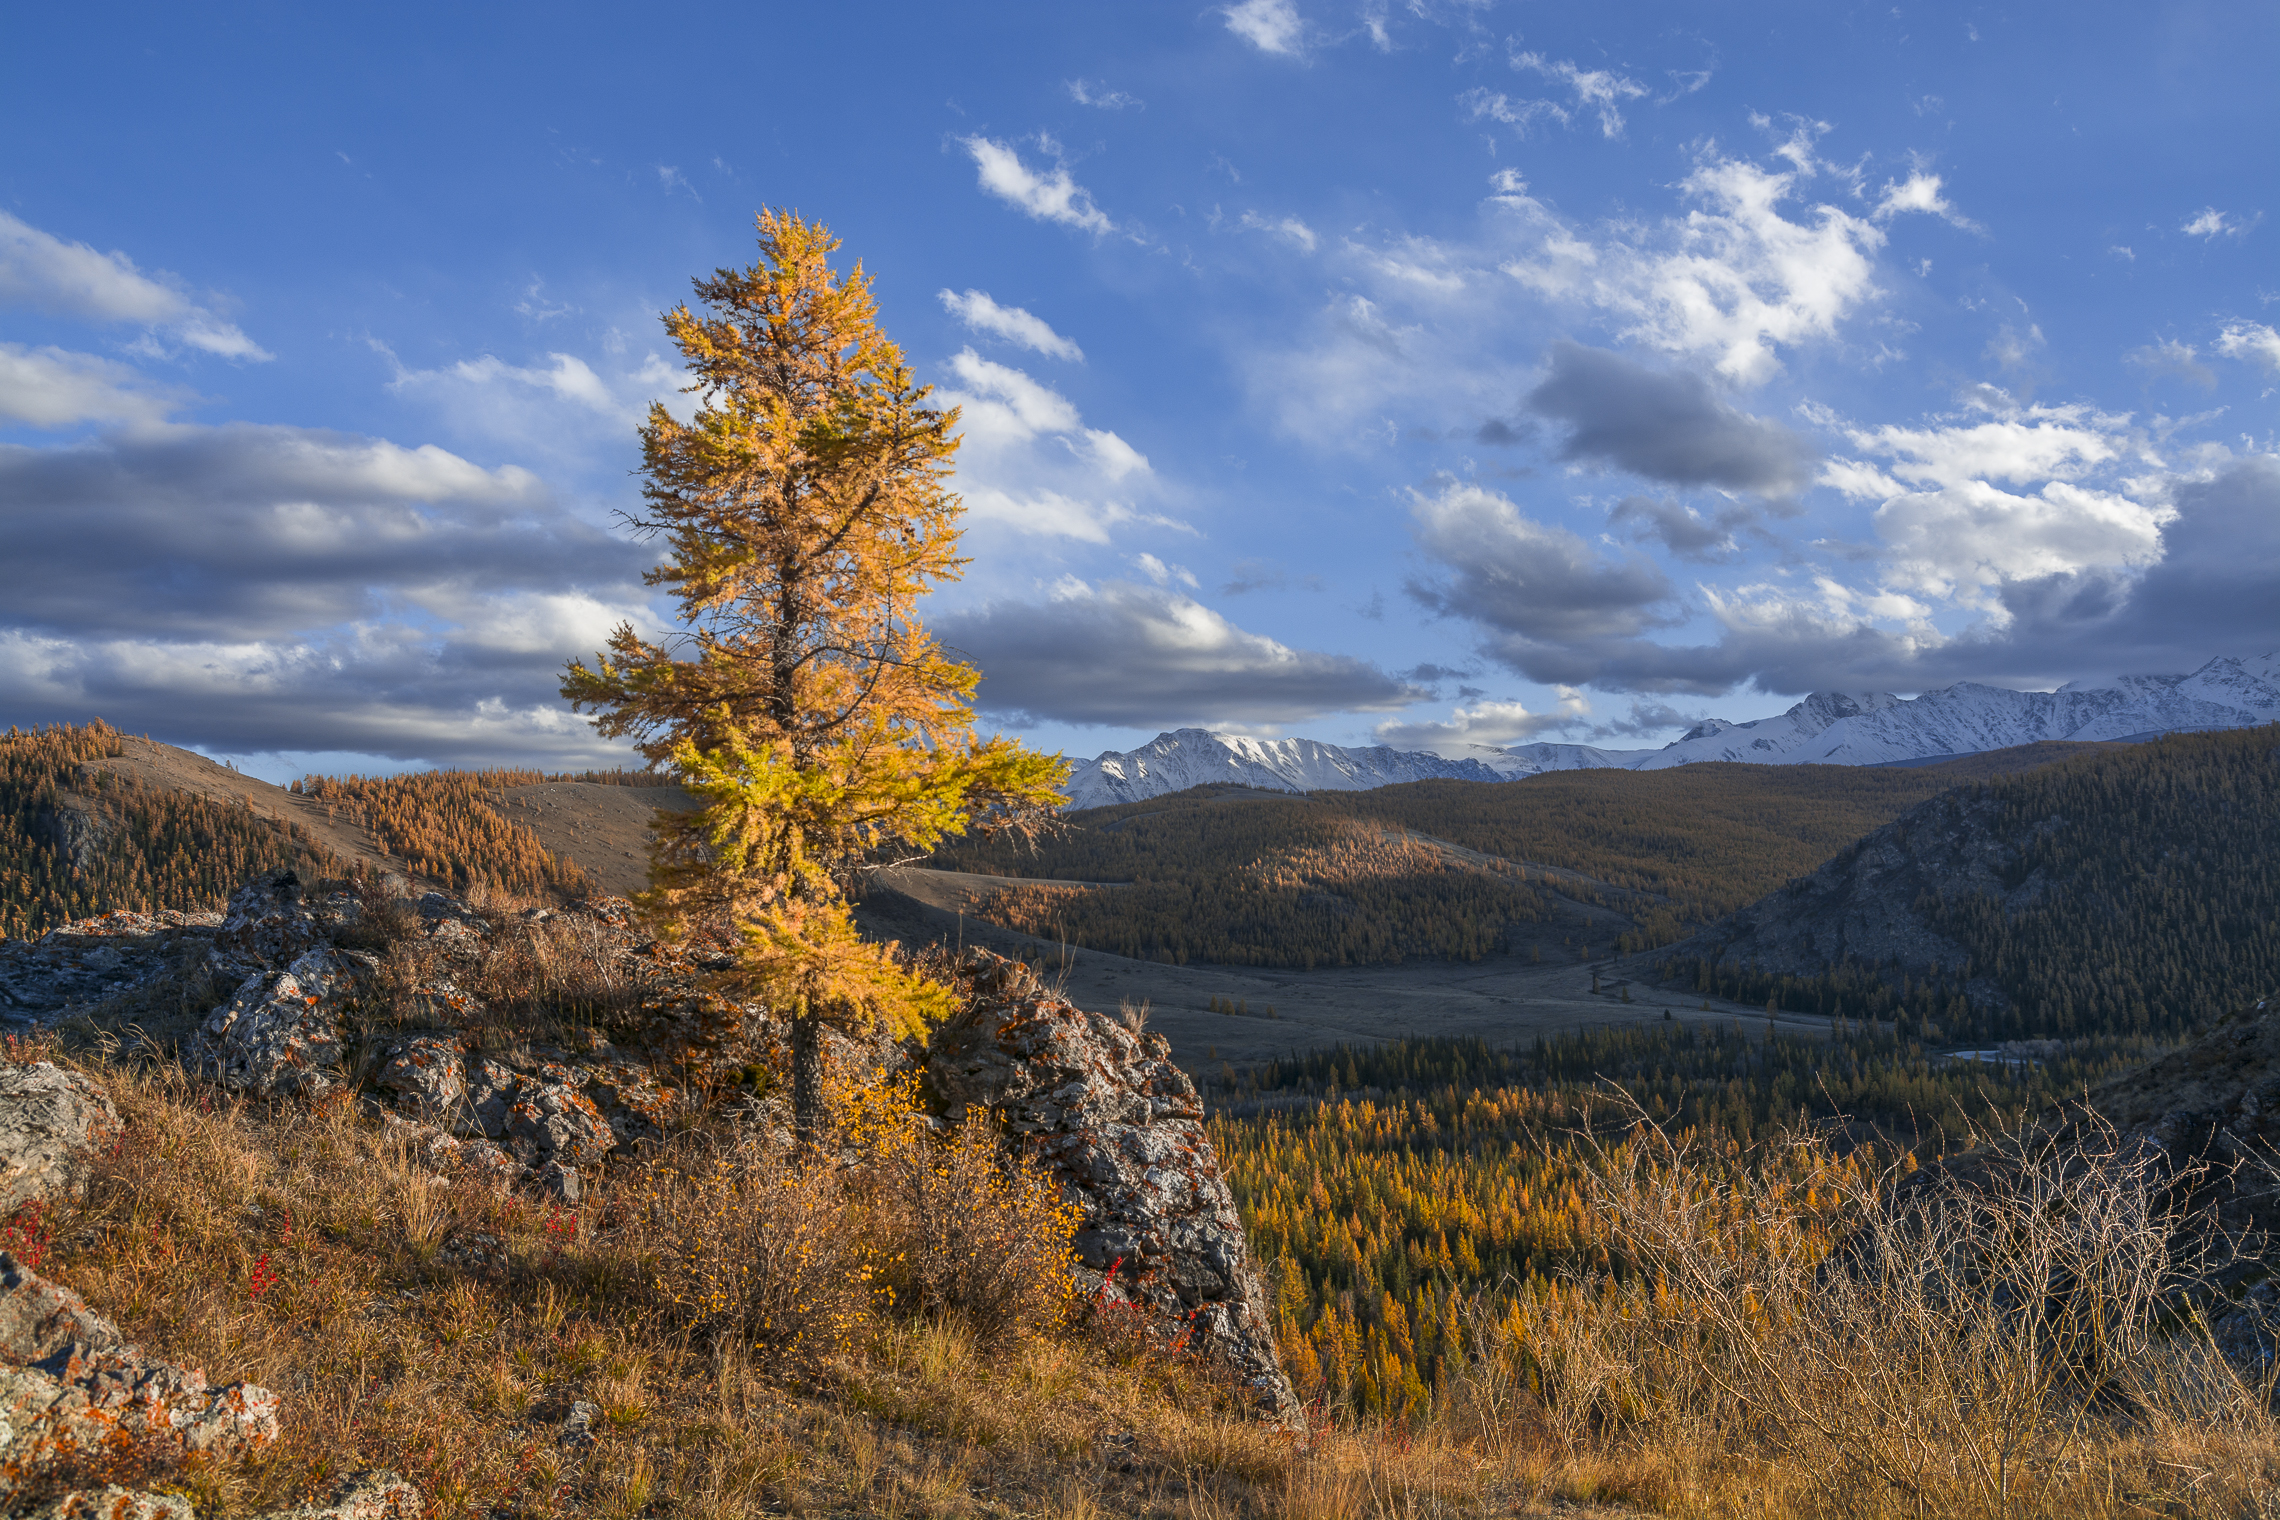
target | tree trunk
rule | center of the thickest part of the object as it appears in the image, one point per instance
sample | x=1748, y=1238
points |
x=808, y=1118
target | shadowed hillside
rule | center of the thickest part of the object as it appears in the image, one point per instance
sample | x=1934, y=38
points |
x=2128, y=892
x=1445, y=869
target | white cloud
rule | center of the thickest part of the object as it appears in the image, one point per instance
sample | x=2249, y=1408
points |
x=1734, y=279
x=2251, y=342
x=2213, y=223
x=1919, y=192
x=46, y=273
x=53, y=387
x=1595, y=90
x=1271, y=26
x=1053, y=197
x=1963, y=541
x=1495, y=105
x=1291, y=228
x=1164, y=574
x=1491, y=723
x=1086, y=93
x=1030, y=464
x=2018, y=444
x=1012, y=323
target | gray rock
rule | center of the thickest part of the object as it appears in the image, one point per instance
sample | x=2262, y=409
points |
x=427, y=1076
x=51, y=1122
x=271, y=921
x=373, y=1495
x=39, y=1318
x=1121, y=1127
x=112, y=1502
x=76, y=1386
x=82, y=963
x=280, y=1034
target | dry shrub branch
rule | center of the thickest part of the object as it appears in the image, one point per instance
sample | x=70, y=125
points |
x=2027, y=1342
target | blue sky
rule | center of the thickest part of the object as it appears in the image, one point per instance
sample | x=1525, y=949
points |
x=1431, y=373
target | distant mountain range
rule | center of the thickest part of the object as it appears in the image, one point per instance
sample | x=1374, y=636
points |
x=1827, y=728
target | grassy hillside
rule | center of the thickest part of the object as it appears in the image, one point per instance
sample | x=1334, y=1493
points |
x=2145, y=882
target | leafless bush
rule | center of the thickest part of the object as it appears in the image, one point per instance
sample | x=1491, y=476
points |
x=1923, y=1348
x=745, y=1246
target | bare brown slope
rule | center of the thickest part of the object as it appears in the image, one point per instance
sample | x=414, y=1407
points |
x=164, y=766
x=603, y=829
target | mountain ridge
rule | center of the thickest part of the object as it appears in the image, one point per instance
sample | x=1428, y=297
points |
x=1825, y=728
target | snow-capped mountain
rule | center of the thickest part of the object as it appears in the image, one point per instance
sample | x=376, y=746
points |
x=1827, y=728
x=1188, y=757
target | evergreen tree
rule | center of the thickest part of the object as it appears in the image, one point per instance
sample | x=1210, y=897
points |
x=806, y=512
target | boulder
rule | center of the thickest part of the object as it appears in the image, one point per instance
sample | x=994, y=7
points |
x=51, y=1122
x=427, y=1076
x=72, y=1387
x=271, y=921
x=280, y=1034
x=1104, y=1109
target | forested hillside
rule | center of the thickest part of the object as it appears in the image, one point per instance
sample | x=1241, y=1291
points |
x=2133, y=892
x=1244, y=877
x=80, y=837
x=442, y=825
x=74, y=843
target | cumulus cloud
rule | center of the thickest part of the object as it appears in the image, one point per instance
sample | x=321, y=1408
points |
x=1920, y=192
x=1271, y=26
x=2251, y=342
x=2213, y=224
x=1012, y=323
x=1964, y=541
x=1679, y=528
x=254, y=588
x=1491, y=723
x=249, y=532
x=46, y=273
x=1030, y=464
x=2013, y=443
x=1536, y=591
x=53, y=387
x=1134, y=656
x=1735, y=280
x=1049, y=197
x=1664, y=426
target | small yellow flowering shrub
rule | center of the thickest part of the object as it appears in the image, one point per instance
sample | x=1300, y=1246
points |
x=804, y=1257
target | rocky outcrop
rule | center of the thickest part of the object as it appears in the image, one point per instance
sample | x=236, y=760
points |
x=52, y=1122
x=81, y=964
x=1103, y=1108
x=71, y=1387
x=280, y=1035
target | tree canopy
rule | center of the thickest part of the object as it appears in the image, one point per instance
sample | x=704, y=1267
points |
x=806, y=510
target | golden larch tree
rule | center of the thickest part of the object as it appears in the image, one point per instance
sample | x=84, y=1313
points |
x=806, y=509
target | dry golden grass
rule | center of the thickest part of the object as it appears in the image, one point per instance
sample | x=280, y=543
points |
x=446, y=1331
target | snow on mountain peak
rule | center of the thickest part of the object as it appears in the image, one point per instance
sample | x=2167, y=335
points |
x=1826, y=728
